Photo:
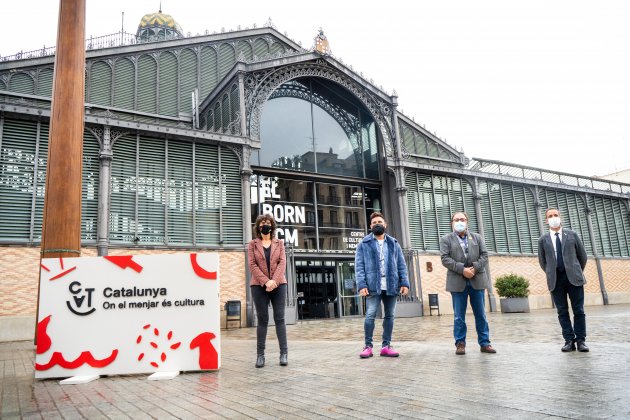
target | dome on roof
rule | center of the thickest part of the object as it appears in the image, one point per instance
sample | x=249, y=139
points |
x=157, y=27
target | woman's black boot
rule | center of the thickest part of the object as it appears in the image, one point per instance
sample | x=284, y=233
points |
x=284, y=359
x=260, y=360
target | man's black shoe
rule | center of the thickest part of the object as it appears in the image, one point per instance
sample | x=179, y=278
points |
x=569, y=346
x=581, y=346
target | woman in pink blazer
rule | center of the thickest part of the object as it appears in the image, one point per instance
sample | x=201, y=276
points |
x=267, y=264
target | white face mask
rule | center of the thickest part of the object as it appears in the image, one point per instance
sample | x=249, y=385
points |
x=459, y=226
x=554, y=222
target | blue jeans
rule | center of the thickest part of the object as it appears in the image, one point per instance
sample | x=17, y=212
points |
x=372, y=302
x=460, y=303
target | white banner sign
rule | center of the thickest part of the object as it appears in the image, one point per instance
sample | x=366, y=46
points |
x=128, y=314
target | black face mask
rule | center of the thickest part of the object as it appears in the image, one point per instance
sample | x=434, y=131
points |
x=265, y=229
x=378, y=230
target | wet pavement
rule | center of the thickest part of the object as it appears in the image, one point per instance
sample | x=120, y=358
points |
x=528, y=378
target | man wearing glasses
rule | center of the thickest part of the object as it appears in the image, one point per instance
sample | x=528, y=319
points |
x=465, y=256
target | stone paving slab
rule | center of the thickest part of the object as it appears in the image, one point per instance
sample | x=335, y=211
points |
x=529, y=378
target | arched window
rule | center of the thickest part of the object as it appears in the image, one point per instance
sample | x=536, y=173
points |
x=314, y=125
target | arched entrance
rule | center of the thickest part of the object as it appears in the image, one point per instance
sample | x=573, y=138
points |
x=318, y=172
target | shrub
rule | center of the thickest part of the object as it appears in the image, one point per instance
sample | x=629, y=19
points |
x=512, y=286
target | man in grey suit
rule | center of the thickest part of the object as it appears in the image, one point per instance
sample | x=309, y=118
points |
x=464, y=255
x=563, y=257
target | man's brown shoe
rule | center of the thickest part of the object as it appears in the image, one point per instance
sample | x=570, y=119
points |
x=488, y=349
x=461, y=349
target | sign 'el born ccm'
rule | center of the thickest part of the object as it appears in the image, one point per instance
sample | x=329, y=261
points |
x=128, y=314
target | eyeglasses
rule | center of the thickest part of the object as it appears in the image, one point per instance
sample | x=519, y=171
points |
x=461, y=219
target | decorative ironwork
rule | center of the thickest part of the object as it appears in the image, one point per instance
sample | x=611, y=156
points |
x=98, y=133
x=107, y=41
x=116, y=134
x=260, y=86
x=348, y=122
x=105, y=114
x=234, y=127
x=528, y=172
x=419, y=138
x=240, y=153
x=269, y=24
x=275, y=55
x=321, y=43
x=403, y=151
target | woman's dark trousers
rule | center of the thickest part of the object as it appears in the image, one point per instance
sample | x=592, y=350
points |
x=278, y=299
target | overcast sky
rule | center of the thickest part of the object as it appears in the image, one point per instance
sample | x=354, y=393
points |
x=544, y=83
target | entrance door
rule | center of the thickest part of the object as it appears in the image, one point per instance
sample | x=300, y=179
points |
x=316, y=286
x=351, y=303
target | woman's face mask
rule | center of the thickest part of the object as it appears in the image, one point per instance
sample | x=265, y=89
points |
x=265, y=229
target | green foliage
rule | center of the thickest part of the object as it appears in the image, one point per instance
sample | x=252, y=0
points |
x=512, y=286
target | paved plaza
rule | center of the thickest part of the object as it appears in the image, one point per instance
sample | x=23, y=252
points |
x=529, y=378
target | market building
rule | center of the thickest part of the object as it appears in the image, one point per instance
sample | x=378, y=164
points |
x=188, y=138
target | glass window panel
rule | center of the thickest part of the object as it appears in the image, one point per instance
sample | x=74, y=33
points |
x=315, y=125
x=290, y=202
x=370, y=146
x=337, y=140
x=340, y=213
x=287, y=137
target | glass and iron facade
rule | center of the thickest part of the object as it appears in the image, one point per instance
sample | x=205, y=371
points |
x=195, y=138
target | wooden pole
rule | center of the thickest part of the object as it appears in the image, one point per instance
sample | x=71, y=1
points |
x=61, y=230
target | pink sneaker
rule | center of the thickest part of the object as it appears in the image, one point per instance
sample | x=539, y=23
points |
x=388, y=351
x=367, y=352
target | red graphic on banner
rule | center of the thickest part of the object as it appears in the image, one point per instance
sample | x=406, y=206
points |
x=162, y=355
x=44, y=343
x=204, y=274
x=43, y=340
x=125, y=261
x=85, y=357
x=63, y=273
x=208, y=356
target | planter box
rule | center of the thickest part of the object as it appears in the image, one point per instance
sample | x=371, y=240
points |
x=408, y=309
x=509, y=305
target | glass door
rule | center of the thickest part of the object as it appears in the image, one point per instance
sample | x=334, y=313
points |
x=316, y=286
x=351, y=303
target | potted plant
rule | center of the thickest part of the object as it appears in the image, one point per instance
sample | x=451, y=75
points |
x=513, y=290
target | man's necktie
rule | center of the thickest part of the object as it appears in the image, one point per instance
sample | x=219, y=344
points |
x=559, y=259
